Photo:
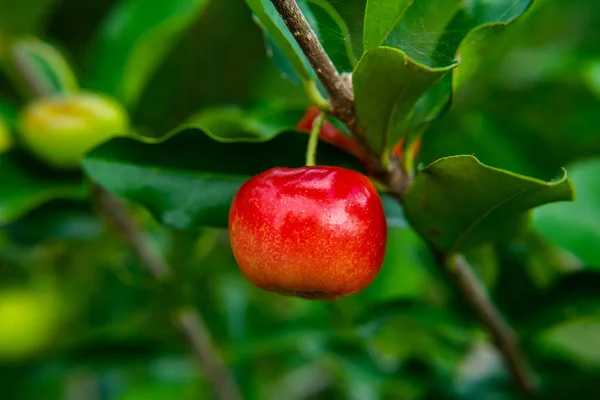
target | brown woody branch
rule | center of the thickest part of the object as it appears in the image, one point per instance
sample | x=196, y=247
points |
x=339, y=90
x=461, y=273
x=341, y=98
x=188, y=320
x=338, y=87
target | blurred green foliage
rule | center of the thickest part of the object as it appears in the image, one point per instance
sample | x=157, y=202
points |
x=527, y=101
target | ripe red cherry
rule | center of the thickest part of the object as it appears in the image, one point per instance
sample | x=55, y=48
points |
x=312, y=232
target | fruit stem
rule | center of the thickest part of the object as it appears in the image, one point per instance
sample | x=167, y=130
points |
x=311, y=149
x=314, y=95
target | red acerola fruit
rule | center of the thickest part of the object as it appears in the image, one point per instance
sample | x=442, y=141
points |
x=312, y=232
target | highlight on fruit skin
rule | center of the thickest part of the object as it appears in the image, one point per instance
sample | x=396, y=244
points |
x=6, y=141
x=311, y=232
x=61, y=129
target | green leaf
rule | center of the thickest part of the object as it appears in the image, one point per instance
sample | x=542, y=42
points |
x=425, y=332
x=418, y=312
x=573, y=297
x=282, y=42
x=473, y=51
x=333, y=34
x=479, y=18
x=505, y=126
x=46, y=68
x=575, y=339
x=19, y=17
x=25, y=185
x=328, y=25
x=236, y=123
x=417, y=28
x=189, y=180
x=456, y=201
x=387, y=85
x=574, y=226
x=430, y=31
x=380, y=18
x=57, y=219
x=133, y=41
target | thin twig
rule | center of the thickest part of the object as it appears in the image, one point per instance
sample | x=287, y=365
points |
x=475, y=293
x=188, y=320
x=397, y=181
x=119, y=216
x=197, y=334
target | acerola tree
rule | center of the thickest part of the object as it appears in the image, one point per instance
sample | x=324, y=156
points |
x=380, y=158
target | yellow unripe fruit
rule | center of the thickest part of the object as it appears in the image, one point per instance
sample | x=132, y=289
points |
x=60, y=130
x=29, y=320
x=5, y=138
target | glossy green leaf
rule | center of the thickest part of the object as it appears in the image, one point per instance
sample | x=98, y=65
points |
x=387, y=85
x=419, y=29
x=282, y=41
x=25, y=185
x=430, y=31
x=474, y=21
x=134, y=39
x=328, y=25
x=333, y=34
x=575, y=227
x=435, y=34
x=457, y=201
x=190, y=179
x=505, y=126
x=473, y=51
x=380, y=18
x=19, y=17
x=237, y=123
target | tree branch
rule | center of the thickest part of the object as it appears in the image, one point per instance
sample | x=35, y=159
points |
x=196, y=332
x=341, y=97
x=397, y=181
x=338, y=87
x=188, y=320
x=461, y=273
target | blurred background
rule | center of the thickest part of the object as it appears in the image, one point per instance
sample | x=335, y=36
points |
x=80, y=320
